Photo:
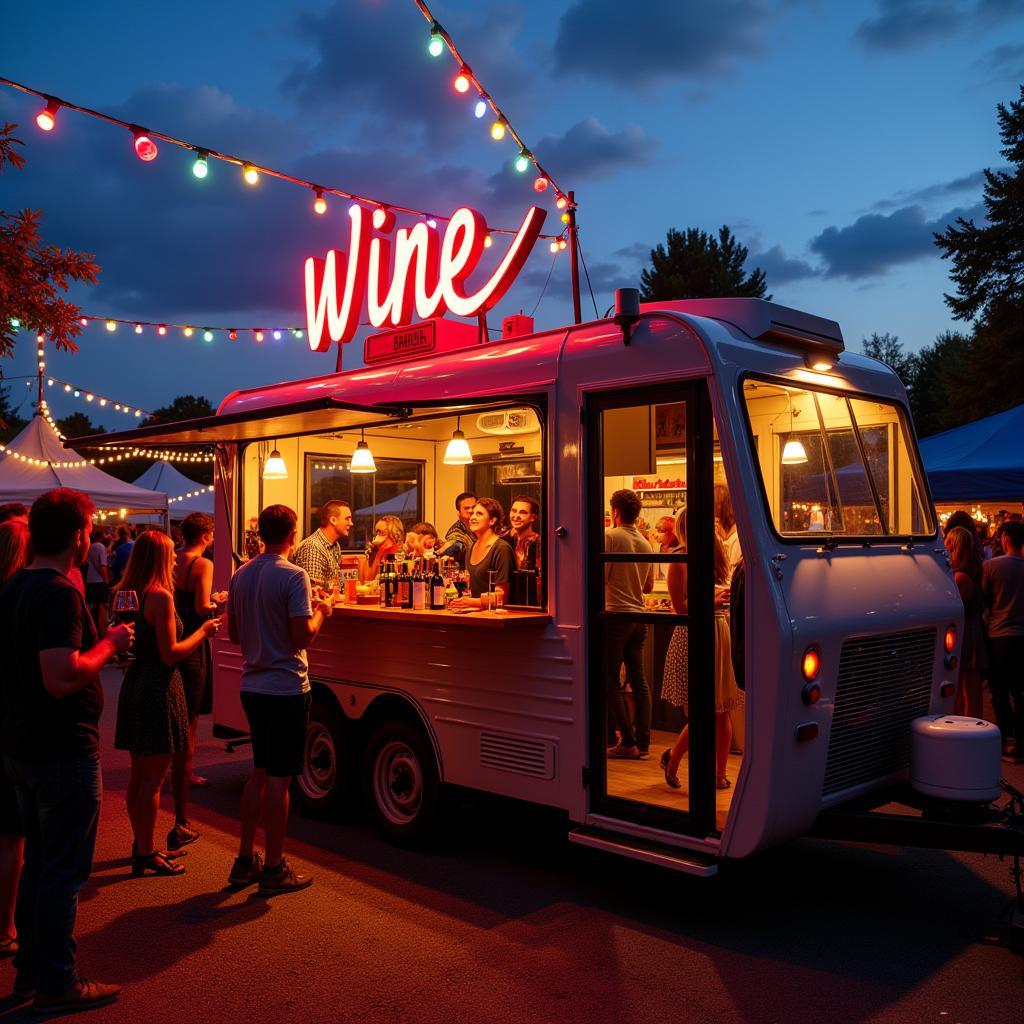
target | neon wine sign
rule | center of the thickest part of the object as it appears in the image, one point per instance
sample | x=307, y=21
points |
x=429, y=273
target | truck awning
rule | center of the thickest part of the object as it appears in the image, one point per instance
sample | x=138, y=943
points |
x=316, y=416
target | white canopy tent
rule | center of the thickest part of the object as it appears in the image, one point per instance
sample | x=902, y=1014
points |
x=24, y=481
x=162, y=476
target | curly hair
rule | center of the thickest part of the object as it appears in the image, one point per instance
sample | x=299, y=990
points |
x=394, y=529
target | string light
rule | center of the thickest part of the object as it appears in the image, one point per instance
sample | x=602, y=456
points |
x=463, y=80
x=138, y=327
x=436, y=45
x=258, y=335
x=320, y=204
x=498, y=130
x=161, y=330
x=111, y=326
x=522, y=162
x=188, y=330
x=480, y=109
x=540, y=184
x=145, y=147
x=202, y=155
x=207, y=335
x=250, y=174
x=561, y=202
x=103, y=400
x=233, y=335
x=191, y=494
x=47, y=117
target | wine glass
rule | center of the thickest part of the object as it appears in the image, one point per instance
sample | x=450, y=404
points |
x=461, y=582
x=494, y=596
x=126, y=602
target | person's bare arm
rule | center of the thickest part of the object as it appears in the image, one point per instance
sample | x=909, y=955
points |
x=203, y=593
x=677, y=582
x=66, y=670
x=160, y=615
x=305, y=630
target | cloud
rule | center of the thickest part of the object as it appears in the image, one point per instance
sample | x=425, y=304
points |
x=659, y=40
x=780, y=268
x=590, y=151
x=1003, y=63
x=902, y=25
x=876, y=242
x=638, y=252
x=942, y=190
x=370, y=67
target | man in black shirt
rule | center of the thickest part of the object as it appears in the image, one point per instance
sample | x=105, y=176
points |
x=51, y=704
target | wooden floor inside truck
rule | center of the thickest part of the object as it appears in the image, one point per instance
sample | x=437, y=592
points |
x=644, y=781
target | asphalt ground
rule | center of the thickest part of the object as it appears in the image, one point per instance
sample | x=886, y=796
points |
x=504, y=921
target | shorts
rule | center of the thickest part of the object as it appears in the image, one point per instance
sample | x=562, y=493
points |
x=277, y=725
x=96, y=594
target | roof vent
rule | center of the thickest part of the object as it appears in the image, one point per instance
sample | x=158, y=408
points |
x=507, y=421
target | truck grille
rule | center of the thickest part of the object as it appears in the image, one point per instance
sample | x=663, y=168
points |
x=884, y=683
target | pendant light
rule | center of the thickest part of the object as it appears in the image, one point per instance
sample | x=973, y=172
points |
x=362, y=457
x=793, y=452
x=274, y=468
x=457, y=453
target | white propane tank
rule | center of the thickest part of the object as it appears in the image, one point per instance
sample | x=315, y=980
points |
x=955, y=758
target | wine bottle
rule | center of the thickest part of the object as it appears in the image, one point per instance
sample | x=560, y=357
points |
x=437, y=599
x=405, y=587
x=419, y=589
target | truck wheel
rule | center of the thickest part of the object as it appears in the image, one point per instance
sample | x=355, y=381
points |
x=400, y=781
x=327, y=783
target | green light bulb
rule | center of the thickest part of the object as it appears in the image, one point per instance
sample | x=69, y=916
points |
x=207, y=335
x=522, y=163
x=436, y=45
x=15, y=322
x=200, y=168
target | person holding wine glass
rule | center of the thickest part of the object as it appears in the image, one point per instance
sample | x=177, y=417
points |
x=152, y=711
x=489, y=563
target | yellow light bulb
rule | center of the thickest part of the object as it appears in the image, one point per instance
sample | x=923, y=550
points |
x=251, y=175
x=498, y=131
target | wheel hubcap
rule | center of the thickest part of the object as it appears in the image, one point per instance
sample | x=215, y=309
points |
x=319, y=772
x=398, y=782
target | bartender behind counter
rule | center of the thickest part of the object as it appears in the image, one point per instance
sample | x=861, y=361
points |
x=488, y=554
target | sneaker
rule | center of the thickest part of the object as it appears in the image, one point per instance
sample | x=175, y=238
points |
x=83, y=995
x=624, y=753
x=644, y=753
x=181, y=835
x=284, y=879
x=246, y=871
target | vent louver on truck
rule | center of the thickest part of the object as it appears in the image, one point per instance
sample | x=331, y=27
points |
x=523, y=755
x=507, y=421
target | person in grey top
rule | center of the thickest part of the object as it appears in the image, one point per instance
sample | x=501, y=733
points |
x=625, y=584
x=1002, y=592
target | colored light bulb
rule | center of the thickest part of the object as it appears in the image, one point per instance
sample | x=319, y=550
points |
x=565, y=217
x=540, y=184
x=233, y=335
x=111, y=326
x=15, y=322
x=258, y=335
x=250, y=174
x=522, y=162
x=488, y=241
x=562, y=243
x=462, y=81
x=145, y=147
x=561, y=201
x=161, y=330
x=436, y=45
x=553, y=247
x=498, y=130
x=200, y=168
x=297, y=333
x=46, y=119
x=138, y=328
x=480, y=109
x=277, y=335
x=188, y=332
x=319, y=204
x=207, y=335
x=84, y=321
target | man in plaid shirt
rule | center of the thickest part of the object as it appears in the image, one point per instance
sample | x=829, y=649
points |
x=320, y=553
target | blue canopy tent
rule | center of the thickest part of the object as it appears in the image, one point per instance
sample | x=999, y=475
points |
x=980, y=461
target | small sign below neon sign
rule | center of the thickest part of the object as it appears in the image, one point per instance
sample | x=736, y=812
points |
x=429, y=273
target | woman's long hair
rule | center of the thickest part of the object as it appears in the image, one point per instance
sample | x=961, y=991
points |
x=394, y=529
x=721, y=568
x=963, y=552
x=15, y=548
x=151, y=564
x=494, y=511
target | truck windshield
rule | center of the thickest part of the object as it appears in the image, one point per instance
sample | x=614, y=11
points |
x=835, y=464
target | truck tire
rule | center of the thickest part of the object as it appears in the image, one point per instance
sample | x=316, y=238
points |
x=326, y=786
x=400, y=781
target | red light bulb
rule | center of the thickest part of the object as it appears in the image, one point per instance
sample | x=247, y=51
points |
x=84, y=321
x=145, y=147
x=47, y=117
x=462, y=81
x=540, y=184
x=161, y=330
x=233, y=335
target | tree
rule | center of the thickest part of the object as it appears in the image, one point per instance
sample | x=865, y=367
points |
x=937, y=396
x=78, y=424
x=184, y=407
x=694, y=265
x=988, y=262
x=32, y=274
x=11, y=424
x=889, y=349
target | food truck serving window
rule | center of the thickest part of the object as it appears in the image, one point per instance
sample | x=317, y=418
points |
x=836, y=464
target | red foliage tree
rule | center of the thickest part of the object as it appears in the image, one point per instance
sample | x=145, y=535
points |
x=32, y=274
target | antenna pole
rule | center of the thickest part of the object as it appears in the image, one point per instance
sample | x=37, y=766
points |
x=574, y=251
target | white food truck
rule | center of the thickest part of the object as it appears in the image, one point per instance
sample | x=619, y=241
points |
x=850, y=620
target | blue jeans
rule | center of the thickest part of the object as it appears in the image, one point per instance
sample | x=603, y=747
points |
x=60, y=809
x=624, y=643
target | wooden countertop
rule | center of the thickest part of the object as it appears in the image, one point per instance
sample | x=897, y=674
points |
x=511, y=619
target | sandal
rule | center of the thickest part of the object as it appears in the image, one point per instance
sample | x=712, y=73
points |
x=155, y=862
x=199, y=782
x=721, y=782
x=670, y=777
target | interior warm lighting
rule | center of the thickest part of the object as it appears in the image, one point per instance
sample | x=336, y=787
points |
x=457, y=453
x=274, y=468
x=793, y=454
x=820, y=363
x=362, y=458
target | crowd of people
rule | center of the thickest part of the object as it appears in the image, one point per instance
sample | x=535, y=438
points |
x=626, y=583
x=989, y=571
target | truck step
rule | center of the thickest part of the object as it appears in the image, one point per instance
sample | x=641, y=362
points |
x=674, y=858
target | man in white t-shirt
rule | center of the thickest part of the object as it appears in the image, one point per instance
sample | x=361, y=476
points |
x=97, y=579
x=273, y=617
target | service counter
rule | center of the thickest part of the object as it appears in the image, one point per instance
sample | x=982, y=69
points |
x=513, y=618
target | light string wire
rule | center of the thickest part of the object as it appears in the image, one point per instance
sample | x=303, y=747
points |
x=437, y=29
x=246, y=165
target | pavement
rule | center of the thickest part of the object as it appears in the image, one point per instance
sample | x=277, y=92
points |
x=503, y=921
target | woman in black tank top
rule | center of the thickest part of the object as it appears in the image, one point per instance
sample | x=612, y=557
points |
x=194, y=603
